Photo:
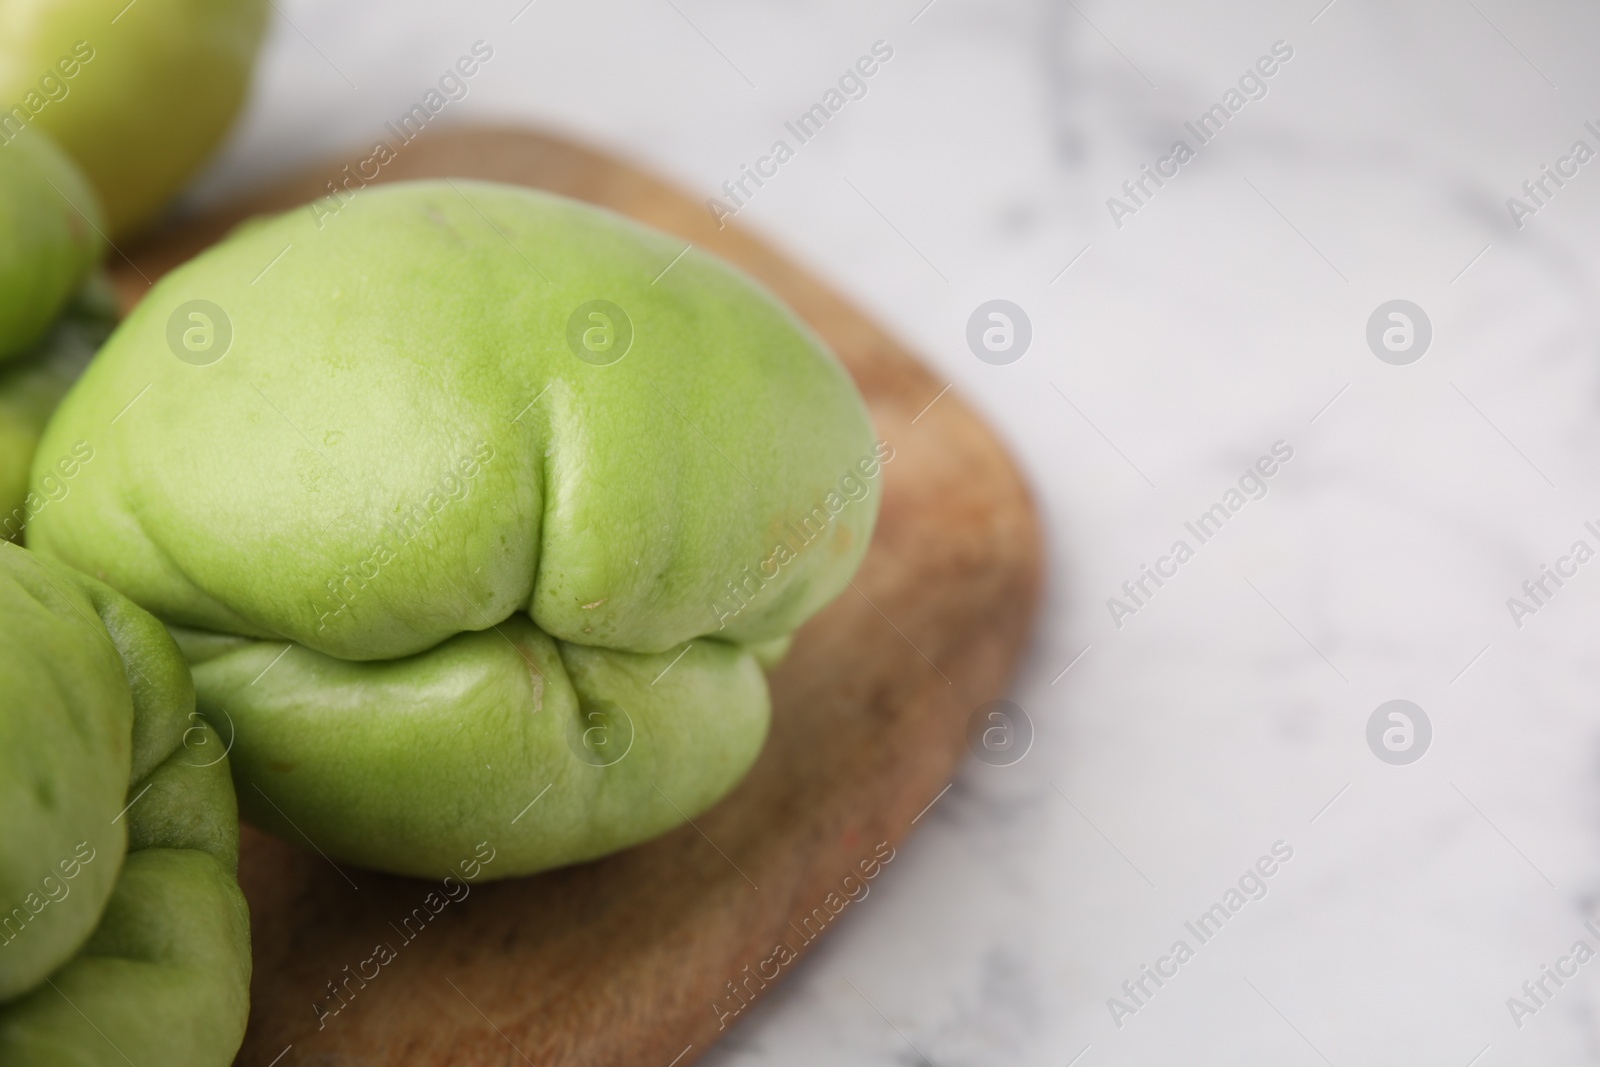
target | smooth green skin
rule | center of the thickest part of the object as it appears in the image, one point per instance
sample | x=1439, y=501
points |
x=399, y=342
x=161, y=89
x=446, y=749
x=379, y=354
x=146, y=955
x=50, y=222
x=30, y=389
x=65, y=761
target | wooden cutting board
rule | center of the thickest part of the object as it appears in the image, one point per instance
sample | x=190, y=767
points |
x=645, y=958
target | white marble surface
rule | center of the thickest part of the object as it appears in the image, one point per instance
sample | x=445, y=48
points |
x=1221, y=318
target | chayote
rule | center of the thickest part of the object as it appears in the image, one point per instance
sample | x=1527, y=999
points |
x=476, y=510
x=30, y=389
x=123, y=935
x=49, y=237
x=139, y=93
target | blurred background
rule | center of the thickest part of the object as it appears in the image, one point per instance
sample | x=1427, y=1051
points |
x=1175, y=340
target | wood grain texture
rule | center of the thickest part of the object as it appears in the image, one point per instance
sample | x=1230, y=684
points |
x=627, y=961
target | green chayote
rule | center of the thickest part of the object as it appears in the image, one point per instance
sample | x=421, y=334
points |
x=477, y=511
x=30, y=389
x=138, y=93
x=123, y=935
x=49, y=238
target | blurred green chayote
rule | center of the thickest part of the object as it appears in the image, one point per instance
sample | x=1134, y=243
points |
x=477, y=511
x=123, y=934
x=30, y=389
x=49, y=238
x=138, y=93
